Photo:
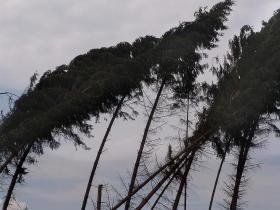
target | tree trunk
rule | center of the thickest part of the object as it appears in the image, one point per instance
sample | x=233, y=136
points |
x=183, y=181
x=219, y=173
x=239, y=173
x=142, y=145
x=163, y=191
x=99, y=197
x=196, y=141
x=7, y=161
x=186, y=141
x=15, y=177
x=216, y=181
x=174, y=169
x=162, y=168
x=100, y=152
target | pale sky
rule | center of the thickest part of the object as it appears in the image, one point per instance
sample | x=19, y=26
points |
x=37, y=35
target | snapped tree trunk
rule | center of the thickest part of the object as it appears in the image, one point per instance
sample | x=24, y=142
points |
x=15, y=177
x=100, y=150
x=142, y=145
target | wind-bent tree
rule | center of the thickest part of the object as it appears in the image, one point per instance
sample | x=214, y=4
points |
x=246, y=93
x=222, y=142
x=245, y=96
x=179, y=68
x=90, y=85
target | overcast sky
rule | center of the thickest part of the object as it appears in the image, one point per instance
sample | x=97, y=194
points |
x=37, y=35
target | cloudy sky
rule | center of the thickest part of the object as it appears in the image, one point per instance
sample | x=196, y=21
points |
x=37, y=35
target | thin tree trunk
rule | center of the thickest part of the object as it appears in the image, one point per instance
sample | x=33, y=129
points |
x=239, y=173
x=197, y=140
x=104, y=140
x=217, y=180
x=163, y=191
x=142, y=145
x=179, y=192
x=186, y=141
x=7, y=161
x=218, y=174
x=99, y=197
x=15, y=177
x=139, y=187
x=185, y=194
x=183, y=181
x=175, y=169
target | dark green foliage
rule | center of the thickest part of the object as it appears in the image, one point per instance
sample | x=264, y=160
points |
x=245, y=98
x=93, y=83
x=248, y=86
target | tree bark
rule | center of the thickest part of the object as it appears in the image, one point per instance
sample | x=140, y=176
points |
x=15, y=177
x=142, y=145
x=100, y=150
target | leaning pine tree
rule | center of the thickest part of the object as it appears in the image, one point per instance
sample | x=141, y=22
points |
x=180, y=66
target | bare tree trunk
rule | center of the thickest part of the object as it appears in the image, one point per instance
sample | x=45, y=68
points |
x=99, y=197
x=186, y=141
x=239, y=173
x=174, y=169
x=185, y=194
x=100, y=152
x=216, y=181
x=196, y=141
x=163, y=191
x=179, y=192
x=183, y=181
x=142, y=145
x=15, y=177
x=219, y=173
x=139, y=187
